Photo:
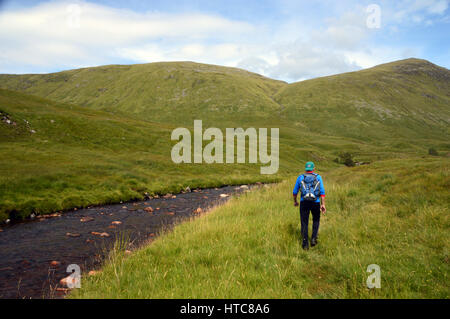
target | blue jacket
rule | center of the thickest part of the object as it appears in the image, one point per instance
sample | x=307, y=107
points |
x=298, y=186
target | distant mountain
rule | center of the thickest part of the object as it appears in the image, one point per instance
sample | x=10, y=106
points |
x=407, y=99
x=172, y=92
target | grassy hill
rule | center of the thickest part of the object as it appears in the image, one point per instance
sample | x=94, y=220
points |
x=393, y=213
x=103, y=134
x=175, y=92
x=178, y=92
x=56, y=156
x=388, y=104
x=407, y=100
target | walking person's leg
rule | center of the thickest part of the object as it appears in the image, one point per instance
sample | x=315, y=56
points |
x=315, y=211
x=304, y=219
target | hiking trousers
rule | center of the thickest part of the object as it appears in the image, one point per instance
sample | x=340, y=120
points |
x=305, y=208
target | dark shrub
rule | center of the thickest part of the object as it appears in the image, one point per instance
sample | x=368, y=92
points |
x=347, y=159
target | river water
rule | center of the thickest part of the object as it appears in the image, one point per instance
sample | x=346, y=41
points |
x=28, y=249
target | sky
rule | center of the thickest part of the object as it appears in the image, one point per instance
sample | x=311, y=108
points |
x=282, y=39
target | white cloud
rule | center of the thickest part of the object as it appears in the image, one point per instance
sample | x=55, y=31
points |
x=45, y=33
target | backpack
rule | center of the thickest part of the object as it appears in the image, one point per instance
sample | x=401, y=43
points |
x=310, y=187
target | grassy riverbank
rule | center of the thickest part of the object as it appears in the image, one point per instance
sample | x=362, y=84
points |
x=391, y=213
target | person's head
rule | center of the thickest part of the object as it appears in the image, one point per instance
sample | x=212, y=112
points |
x=309, y=166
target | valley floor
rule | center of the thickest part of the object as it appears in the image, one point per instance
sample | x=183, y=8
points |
x=392, y=213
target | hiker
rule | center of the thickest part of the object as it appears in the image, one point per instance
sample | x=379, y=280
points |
x=312, y=199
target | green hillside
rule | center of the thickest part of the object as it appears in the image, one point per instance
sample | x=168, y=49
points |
x=176, y=92
x=103, y=134
x=406, y=99
x=394, y=102
x=56, y=156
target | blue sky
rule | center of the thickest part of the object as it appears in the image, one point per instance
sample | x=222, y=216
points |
x=284, y=39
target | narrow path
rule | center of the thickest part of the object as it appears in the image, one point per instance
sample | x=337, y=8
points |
x=28, y=249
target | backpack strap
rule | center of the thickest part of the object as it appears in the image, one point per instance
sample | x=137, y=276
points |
x=303, y=181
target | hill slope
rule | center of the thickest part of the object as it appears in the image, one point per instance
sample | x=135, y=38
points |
x=56, y=156
x=171, y=92
x=407, y=99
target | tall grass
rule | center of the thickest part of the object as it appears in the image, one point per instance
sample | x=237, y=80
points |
x=393, y=214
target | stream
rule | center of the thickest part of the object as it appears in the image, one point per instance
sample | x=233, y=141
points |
x=34, y=255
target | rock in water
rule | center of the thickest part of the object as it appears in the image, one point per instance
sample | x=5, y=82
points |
x=100, y=234
x=73, y=235
x=69, y=280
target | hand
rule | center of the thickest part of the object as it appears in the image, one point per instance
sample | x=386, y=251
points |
x=323, y=209
x=295, y=203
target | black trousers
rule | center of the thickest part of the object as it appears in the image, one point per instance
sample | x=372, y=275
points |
x=305, y=208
